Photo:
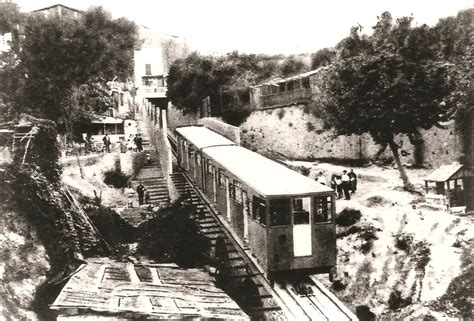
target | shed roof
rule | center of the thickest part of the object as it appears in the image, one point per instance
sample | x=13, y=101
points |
x=144, y=291
x=267, y=177
x=446, y=172
x=107, y=120
x=202, y=137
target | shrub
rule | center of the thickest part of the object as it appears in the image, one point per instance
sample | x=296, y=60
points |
x=304, y=170
x=235, y=117
x=310, y=127
x=115, y=177
x=348, y=217
x=375, y=200
x=113, y=228
x=172, y=236
x=368, y=235
x=281, y=113
x=396, y=301
x=338, y=285
x=404, y=242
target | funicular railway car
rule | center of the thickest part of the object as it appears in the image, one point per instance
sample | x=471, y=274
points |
x=285, y=218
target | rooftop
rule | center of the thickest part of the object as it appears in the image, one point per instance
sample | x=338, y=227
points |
x=447, y=172
x=267, y=177
x=126, y=290
x=202, y=137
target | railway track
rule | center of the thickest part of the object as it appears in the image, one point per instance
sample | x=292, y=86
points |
x=303, y=298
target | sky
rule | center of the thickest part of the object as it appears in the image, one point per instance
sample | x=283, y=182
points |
x=262, y=26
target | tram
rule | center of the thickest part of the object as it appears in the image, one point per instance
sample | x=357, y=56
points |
x=285, y=218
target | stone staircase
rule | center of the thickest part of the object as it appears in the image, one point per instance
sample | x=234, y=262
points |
x=152, y=178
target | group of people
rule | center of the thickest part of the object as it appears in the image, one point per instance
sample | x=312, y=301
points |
x=143, y=195
x=343, y=184
x=134, y=143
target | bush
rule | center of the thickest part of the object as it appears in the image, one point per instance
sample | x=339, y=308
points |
x=113, y=228
x=281, y=113
x=375, y=200
x=304, y=170
x=115, y=177
x=404, y=242
x=396, y=301
x=338, y=285
x=235, y=117
x=310, y=127
x=368, y=235
x=348, y=217
x=172, y=236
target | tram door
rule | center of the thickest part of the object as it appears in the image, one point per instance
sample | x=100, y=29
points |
x=214, y=181
x=245, y=206
x=227, y=198
x=302, y=227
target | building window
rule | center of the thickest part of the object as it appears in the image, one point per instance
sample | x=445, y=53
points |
x=148, y=69
x=301, y=210
x=280, y=212
x=322, y=209
x=259, y=210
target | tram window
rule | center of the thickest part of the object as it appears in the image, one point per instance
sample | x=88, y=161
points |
x=209, y=169
x=237, y=192
x=322, y=209
x=280, y=212
x=221, y=178
x=305, y=83
x=259, y=210
x=231, y=190
x=301, y=210
x=198, y=159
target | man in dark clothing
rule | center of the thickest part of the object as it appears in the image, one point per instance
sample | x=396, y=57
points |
x=139, y=143
x=141, y=193
x=353, y=181
x=106, y=141
x=346, y=185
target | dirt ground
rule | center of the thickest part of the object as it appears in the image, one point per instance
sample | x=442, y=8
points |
x=93, y=168
x=420, y=266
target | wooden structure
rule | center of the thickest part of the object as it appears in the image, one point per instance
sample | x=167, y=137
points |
x=285, y=218
x=445, y=187
x=102, y=289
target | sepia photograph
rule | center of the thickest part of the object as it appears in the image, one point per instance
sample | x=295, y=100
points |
x=236, y=160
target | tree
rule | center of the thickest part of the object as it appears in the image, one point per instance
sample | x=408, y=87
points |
x=388, y=84
x=322, y=57
x=292, y=66
x=58, y=57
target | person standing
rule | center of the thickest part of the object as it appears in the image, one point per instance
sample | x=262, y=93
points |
x=353, y=180
x=139, y=142
x=321, y=179
x=338, y=182
x=106, y=141
x=346, y=185
x=141, y=193
x=88, y=143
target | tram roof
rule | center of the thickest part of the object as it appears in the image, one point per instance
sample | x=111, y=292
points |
x=267, y=177
x=202, y=137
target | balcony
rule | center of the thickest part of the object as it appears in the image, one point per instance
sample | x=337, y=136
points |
x=286, y=98
x=154, y=92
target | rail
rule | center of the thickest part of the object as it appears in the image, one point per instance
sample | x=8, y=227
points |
x=304, y=298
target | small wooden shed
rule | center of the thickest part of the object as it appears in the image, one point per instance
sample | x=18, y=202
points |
x=445, y=186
